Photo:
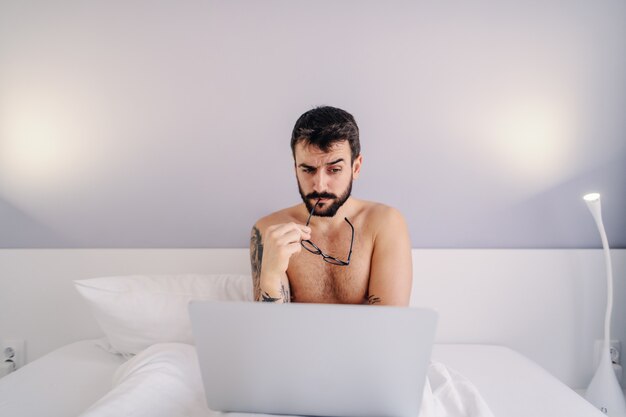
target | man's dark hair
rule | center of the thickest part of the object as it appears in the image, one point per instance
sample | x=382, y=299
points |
x=323, y=127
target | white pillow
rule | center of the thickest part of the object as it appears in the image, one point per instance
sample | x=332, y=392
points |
x=138, y=311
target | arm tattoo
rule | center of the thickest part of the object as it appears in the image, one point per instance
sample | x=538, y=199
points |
x=284, y=293
x=372, y=299
x=268, y=299
x=256, y=255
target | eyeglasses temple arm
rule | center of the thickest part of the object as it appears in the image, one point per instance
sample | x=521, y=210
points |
x=351, y=240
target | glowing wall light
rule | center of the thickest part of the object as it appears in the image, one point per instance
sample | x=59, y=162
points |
x=44, y=142
x=532, y=140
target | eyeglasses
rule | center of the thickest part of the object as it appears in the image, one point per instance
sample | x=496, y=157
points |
x=312, y=247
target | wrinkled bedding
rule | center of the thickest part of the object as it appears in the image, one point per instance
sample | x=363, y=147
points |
x=164, y=380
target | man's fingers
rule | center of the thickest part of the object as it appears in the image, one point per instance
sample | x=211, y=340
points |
x=293, y=248
x=288, y=232
x=283, y=227
x=293, y=236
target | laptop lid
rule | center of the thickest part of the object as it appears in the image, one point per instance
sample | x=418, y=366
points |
x=313, y=359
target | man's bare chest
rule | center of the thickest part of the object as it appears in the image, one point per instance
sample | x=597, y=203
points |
x=313, y=280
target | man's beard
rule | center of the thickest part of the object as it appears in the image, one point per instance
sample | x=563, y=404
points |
x=311, y=198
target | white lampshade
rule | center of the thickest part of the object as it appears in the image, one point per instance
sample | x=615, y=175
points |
x=595, y=207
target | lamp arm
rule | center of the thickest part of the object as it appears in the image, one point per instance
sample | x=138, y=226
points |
x=609, y=284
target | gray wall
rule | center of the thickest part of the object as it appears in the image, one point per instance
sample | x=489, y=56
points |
x=166, y=124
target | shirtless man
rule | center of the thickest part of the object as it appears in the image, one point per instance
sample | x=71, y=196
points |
x=302, y=253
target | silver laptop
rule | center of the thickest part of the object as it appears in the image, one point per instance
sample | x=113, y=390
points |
x=313, y=359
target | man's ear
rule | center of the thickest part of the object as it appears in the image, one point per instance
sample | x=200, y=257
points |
x=356, y=166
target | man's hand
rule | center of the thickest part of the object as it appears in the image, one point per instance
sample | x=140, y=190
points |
x=280, y=242
x=270, y=254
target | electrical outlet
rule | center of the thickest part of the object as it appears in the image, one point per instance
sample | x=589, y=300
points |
x=615, y=350
x=13, y=350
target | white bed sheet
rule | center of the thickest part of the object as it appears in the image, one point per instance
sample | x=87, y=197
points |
x=67, y=381
x=62, y=383
x=513, y=385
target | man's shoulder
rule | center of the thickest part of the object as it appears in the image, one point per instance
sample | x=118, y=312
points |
x=380, y=212
x=385, y=223
x=382, y=218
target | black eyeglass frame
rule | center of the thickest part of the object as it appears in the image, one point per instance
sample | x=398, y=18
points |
x=315, y=250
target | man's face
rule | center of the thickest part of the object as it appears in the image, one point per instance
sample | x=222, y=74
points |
x=325, y=176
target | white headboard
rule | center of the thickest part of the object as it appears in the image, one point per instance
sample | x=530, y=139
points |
x=547, y=304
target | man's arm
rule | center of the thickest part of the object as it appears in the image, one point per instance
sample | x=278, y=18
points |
x=269, y=262
x=391, y=273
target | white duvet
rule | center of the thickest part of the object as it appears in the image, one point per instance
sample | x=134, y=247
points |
x=164, y=381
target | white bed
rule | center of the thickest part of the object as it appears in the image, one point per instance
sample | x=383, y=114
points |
x=67, y=381
x=62, y=383
x=511, y=384
x=540, y=295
